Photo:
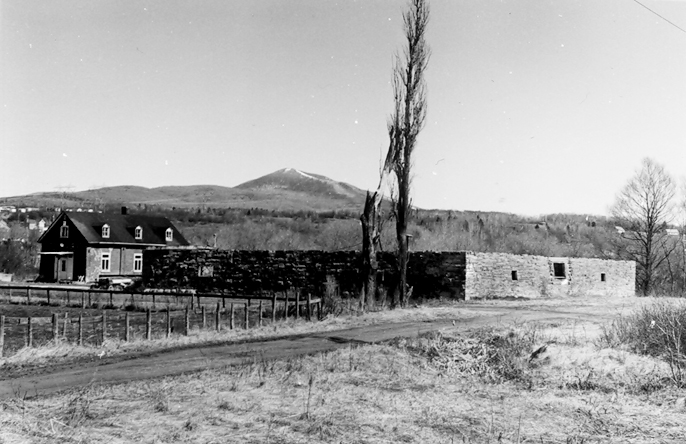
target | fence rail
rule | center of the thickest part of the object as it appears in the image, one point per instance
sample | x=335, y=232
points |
x=17, y=332
x=88, y=297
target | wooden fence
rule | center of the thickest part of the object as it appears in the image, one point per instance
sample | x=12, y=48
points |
x=195, y=312
x=97, y=298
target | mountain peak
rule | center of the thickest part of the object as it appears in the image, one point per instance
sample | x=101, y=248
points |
x=299, y=173
x=294, y=180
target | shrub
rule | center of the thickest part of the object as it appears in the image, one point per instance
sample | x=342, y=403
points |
x=657, y=329
x=493, y=356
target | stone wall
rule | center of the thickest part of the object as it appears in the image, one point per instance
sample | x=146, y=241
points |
x=500, y=275
x=458, y=275
x=242, y=272
x=603, y=277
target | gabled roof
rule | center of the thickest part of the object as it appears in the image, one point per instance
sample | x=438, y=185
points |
x=122, y=228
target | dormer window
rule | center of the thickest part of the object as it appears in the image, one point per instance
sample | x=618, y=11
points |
x=105, y=231
x=169, y=235
x=64, y=230
x=138, y=233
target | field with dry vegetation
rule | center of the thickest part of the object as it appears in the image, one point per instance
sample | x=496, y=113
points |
x=523, y=382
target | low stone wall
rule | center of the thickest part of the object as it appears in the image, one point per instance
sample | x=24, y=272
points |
x=500, y=275
x=242, y=272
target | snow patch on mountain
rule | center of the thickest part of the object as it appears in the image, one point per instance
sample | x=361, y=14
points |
x=306, y=175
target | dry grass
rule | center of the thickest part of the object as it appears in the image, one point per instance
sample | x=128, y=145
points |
x=60, y=351
x=439, y=388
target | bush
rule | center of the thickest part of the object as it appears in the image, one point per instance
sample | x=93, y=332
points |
x=657, y=329
x=493, y=356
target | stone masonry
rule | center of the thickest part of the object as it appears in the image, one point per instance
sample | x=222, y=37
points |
x=455, y=275
x=500, y=275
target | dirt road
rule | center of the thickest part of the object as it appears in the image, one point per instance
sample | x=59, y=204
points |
x=120, y=369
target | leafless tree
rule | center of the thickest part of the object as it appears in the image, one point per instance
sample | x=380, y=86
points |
x=405, y=123
x=645, y=207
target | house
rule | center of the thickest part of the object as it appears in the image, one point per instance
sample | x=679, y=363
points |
x=88, y=246
x=40, y=225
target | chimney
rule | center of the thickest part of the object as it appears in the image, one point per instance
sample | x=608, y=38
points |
x=123, y=211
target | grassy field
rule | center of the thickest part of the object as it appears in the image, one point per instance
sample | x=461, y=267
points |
x=519, y=383
x=49, y=352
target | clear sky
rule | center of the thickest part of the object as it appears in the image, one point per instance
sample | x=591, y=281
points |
x=535, y=106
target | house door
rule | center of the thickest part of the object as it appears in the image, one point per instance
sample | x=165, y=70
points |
x=64, y=268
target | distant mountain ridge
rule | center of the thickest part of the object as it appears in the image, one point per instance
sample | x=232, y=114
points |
x=285, y=189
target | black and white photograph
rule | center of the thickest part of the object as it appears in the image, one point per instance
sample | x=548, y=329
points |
x=343, y=221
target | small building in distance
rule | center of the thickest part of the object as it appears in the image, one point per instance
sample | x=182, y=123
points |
x=88, y=246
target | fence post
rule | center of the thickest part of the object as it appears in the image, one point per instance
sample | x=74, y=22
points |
x=204, y=317
x=47, y=290
x=192, y=302
x=319, y=310
x=104, y=326
x=68, y=302
x=260, y=322
x=309, y=306
x=247, y=311
x=111, y=305
x=297, y=304
x=232, y=318
x=217, y=318
x=148, y=325
x=28, y=296
x=273, y=307
x=80, y=328
x=168, y=323
x=127, y=324
x=186, y=324
x=286, y=305
x=55, y=327
x=90, y=301
x=64, y=329
x=2, y=334
x=153, y=300
x=29, y=327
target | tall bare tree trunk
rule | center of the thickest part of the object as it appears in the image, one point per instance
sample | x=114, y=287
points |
x=404, y=125
x=370, y=243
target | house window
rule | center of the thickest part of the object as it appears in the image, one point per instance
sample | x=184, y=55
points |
x=138, y=262
x=559, y=270
x=63, y=262
x=105, y=231
x=514, y=275
x=64, y=230
x=138, y=233
x=105, y=262
x=602, y=277
x=168, y=235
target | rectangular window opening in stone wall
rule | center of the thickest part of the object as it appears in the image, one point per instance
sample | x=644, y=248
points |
x=602, y=277
x=514, y=275
x=559, y=270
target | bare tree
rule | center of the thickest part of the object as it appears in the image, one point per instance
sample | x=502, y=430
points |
x=371, y=223
x=645, y=207
x=405, y=123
